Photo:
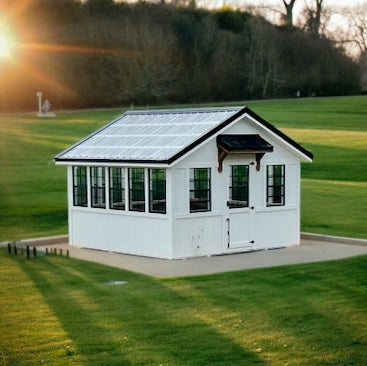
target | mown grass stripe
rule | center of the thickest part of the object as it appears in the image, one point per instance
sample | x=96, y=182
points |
x=60, y=311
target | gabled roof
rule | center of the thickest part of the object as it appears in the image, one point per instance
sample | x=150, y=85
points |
x=158, y=136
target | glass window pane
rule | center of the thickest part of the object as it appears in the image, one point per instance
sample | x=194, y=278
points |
x=117, y=188
x=157, y=190
x=98, y=184
x=275, y=185
x=136, y=190
x=200, y=195
x=80, y=186
x=238, y=190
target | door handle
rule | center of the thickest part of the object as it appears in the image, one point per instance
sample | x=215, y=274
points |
x=252, y=207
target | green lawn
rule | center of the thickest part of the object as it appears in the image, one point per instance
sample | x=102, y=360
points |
x=334, y=186
x=334, y=190
x=32, y=189
x=60, y=311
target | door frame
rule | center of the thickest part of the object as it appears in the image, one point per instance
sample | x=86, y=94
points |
x=248, y=210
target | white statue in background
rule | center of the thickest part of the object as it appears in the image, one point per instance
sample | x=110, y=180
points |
x=44, y=109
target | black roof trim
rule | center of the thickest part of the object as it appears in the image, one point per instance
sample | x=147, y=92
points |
x=244, y=110
x=207, y=135
x=279, y=133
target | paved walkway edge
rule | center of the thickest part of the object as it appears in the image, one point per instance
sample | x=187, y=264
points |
x=62, y=239
x=333, y=239
x=49, y=240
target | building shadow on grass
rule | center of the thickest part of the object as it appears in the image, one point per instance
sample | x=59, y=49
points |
x=308, y=309
x=140, y=323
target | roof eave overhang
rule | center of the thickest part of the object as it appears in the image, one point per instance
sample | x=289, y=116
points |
x=109, y=162
x=197, y=143
x=300, y=151
x=303, y=154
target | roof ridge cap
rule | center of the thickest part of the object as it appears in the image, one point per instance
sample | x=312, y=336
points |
x=185, y=110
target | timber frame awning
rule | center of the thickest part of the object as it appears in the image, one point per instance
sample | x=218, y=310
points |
x=242, y=144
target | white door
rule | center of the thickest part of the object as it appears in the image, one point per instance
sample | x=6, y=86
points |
x=240, y=212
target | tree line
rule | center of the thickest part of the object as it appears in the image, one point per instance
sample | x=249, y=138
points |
x=101, y=53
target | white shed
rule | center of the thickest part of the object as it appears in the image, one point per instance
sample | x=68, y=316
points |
x=184, y=183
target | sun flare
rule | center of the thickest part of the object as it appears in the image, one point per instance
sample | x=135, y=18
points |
x=5, y=46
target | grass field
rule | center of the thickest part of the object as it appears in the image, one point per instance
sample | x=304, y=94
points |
x=334, y=187
x=59, y=311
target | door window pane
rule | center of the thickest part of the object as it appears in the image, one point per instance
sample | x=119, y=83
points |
x=239, y=186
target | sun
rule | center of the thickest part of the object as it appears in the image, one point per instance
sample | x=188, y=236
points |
x=5, y=46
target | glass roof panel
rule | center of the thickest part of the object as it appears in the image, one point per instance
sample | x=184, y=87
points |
x=153, y=135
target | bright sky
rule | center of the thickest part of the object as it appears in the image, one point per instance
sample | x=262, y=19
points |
x=335, y=22
x=300, y=3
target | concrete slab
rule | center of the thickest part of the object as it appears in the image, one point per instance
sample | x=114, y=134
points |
x=309, y=251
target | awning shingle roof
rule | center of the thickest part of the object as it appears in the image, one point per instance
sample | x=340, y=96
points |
x=244, y=143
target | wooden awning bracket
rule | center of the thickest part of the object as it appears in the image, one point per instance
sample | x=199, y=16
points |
x=221, y=156
x=242, y=144
x=259, y=156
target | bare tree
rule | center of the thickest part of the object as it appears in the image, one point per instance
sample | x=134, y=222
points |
x=313, y=18
x=355, y=33
x=268, y=11
x=288, y=16
x=151, y=65
x=352, y=35
x=265, y=55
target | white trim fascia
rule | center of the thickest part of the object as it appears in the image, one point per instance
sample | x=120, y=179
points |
x=146, y=190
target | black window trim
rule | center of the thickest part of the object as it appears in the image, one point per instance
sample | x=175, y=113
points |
x=209, y=189
x=233, y=204
x=111, y=188
x=98, y=188
x=130, y=190
x=75, y=187
x=282, y=186
x=151, y=210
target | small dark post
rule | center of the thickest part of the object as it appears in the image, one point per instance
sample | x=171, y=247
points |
x=55, y=251
x=28, y=254
x=34, y=252
x=9, y=248
x=46, y=251
x=61, y=252
x=67, y=253
x=15, y=248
